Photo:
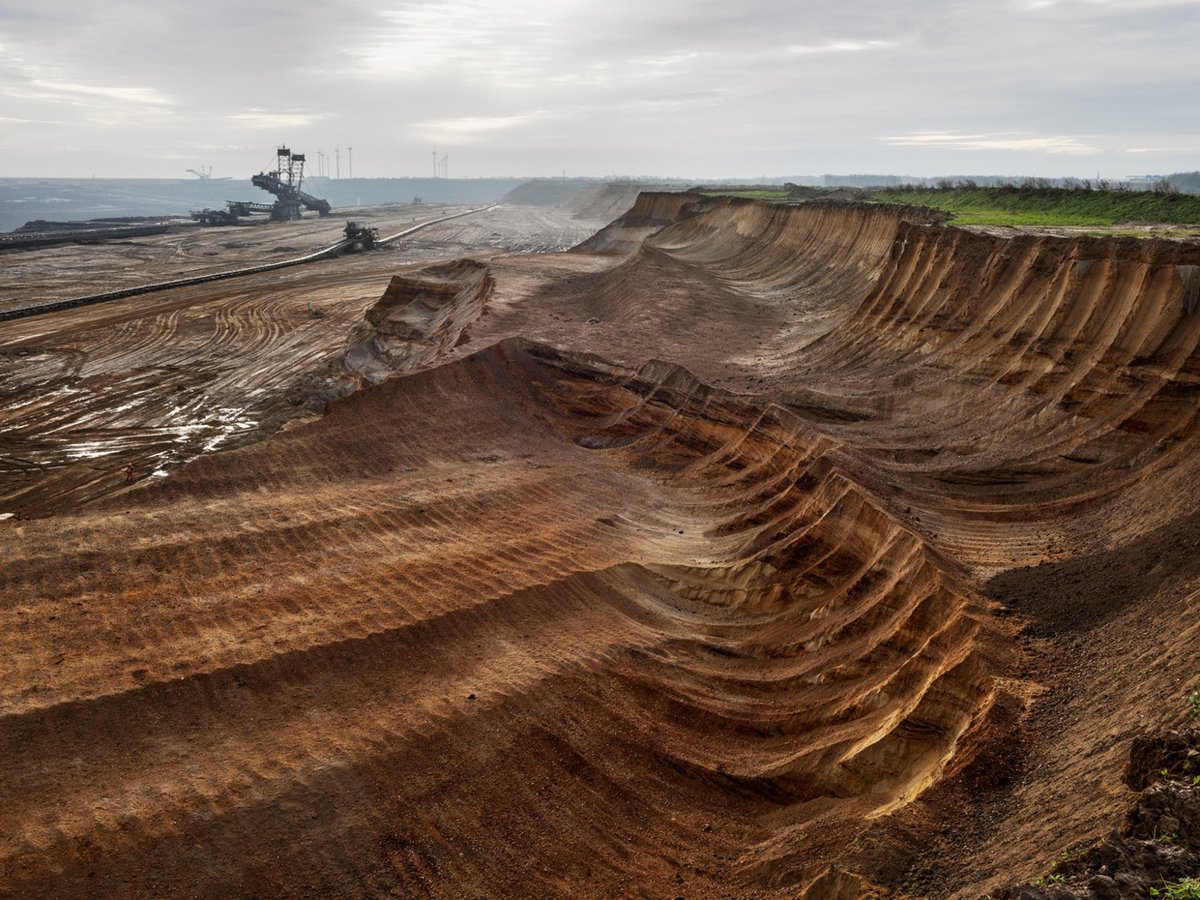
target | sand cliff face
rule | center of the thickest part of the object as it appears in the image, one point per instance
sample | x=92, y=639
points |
x=681, y=564
x=1021, y=381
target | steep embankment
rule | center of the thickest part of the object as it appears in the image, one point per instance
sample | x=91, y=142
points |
x=652, y=212
x=731, y=289
x=1029, y=406
x=700, y=611
x=1020, y=382
x=610, y=201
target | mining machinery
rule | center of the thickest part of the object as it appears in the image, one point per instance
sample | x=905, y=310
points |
x=234, y=212
x=285, y=181
x=361, y=237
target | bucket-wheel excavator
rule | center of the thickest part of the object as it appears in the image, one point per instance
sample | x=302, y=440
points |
x=285, y=183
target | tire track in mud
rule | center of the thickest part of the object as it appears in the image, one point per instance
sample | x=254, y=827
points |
x=225, y=357
x=332, y=250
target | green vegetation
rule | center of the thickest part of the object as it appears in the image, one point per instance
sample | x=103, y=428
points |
x=1033, y=203
x=1187, y=889
x=1194, y=782
x=1048, y=206
x=1193, y=702
x=751, y=194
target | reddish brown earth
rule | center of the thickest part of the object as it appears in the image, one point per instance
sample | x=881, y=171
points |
x=745, y=551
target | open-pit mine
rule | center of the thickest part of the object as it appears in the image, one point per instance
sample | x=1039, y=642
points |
x=723, y=550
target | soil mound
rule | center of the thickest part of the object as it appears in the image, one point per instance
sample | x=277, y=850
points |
x=417, y=319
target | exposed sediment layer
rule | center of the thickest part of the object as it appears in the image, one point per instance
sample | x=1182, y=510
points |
x=1017, y=382
x=670, y=579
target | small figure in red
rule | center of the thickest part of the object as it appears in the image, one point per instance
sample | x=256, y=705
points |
x=129, y=474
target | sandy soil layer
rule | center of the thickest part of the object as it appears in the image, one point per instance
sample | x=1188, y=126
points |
x=744, y=551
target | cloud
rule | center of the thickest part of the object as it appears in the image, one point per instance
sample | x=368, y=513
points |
x=1160, y=150
x=1056, y=144
x=509, y=42
x=74, y=93
x=691, y=87
x=1118, y=6
x=259, y=118
x=10, y=120
x=471, y=128
x=845, y=46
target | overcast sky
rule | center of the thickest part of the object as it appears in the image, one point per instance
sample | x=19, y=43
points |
x=707, y=88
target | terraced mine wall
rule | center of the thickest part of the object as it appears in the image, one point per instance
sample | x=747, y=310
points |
x=746, y=550
x=1033, y=377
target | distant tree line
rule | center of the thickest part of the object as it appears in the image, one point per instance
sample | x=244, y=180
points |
x=1186, y=182
x=1030, y=185
x=1179, y=182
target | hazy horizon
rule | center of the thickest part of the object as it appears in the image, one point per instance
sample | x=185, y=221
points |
x=698, y=90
